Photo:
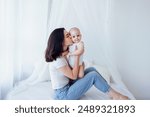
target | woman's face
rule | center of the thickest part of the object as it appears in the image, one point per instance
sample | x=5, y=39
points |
x=67, y=39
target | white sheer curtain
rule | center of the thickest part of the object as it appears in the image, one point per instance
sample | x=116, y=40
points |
x=23, y=28
x=89, y=16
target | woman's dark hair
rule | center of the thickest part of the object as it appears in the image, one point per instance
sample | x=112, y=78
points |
x=54, y=45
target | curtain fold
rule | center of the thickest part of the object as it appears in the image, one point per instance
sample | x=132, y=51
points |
x=23, y=28
x=7, y=21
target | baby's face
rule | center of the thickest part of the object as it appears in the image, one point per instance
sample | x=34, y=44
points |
x=76, y=36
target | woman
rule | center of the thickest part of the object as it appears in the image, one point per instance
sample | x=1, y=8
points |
x=61, y=73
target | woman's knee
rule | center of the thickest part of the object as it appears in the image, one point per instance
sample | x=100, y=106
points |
x=89, y=69
x=93, y=74
x=92, y=68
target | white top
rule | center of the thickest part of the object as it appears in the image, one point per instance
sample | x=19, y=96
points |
x=71, y=59
x=58, y=79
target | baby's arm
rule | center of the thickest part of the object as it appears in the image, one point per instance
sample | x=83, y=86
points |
x=79, y=50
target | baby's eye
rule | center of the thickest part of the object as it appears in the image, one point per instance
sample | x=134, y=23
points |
x=78, y=35
x=73, y=36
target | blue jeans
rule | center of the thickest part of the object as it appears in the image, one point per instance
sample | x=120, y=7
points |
x=79, y=87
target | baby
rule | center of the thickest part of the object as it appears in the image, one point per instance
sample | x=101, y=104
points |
x=75, y=49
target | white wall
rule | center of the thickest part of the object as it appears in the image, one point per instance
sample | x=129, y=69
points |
x=129, y=27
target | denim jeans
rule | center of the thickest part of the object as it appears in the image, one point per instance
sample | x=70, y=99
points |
x=79, y=87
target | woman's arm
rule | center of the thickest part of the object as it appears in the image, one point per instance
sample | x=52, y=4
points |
x=71, y=73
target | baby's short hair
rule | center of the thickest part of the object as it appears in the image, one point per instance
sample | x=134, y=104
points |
x=74, y=28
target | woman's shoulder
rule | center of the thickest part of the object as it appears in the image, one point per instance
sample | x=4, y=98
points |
x=60, y=61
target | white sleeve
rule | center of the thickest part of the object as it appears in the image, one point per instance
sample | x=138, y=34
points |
x=60, y=62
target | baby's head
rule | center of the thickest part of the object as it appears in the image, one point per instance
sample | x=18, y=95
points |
x=75, y=34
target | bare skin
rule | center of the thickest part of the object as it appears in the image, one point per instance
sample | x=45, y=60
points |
x=116, y=96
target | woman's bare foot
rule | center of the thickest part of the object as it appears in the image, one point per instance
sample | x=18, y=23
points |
x=117, y=96
x=120, y=97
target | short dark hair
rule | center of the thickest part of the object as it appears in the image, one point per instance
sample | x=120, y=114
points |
x=54, y=45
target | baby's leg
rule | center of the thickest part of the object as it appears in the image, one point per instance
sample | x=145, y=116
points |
x=81, y=71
